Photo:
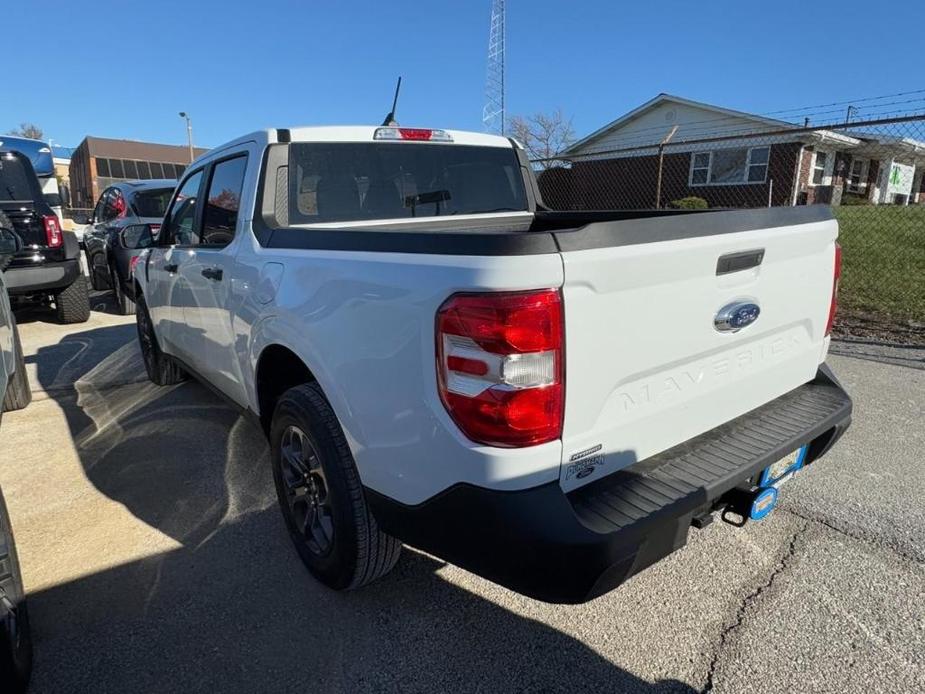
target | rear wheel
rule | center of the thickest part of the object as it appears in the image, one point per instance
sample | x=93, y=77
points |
x=15, y=638
x=161, y=369
x=124, y=305
x=72, y=304
x=18, y=394
x=321, y=497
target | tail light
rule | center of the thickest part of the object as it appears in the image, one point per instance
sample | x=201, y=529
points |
x=500, y=366
x=833, y=307
x=53, y=237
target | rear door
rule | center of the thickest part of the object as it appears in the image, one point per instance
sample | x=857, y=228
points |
x=204, y=337
x=649, y=362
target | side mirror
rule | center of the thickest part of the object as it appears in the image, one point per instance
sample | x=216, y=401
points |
x=10, y=244
x=136, y=236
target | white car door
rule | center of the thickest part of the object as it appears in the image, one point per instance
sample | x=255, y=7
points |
x=204, y=335
x=166, y=295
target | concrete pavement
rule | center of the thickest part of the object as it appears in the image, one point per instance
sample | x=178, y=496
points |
x=155, y=560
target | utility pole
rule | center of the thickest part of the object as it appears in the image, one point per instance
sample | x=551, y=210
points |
x=661, y=161
x=189, y=134
x=848, y=113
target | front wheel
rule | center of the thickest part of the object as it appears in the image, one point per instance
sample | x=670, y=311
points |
x=124, y=305
x=321, y=497
x=161, y=369
x=96, y=265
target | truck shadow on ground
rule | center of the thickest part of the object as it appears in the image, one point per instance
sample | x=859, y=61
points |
x=232, y=609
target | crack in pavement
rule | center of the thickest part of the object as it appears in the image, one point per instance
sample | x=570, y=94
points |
x=747, y=602
x=860, y=537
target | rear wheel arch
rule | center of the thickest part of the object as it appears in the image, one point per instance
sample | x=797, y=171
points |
x=278, y=370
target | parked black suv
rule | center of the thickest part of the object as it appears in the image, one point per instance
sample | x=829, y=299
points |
x=47, y=267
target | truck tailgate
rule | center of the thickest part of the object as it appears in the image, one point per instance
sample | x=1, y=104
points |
x=646, y=366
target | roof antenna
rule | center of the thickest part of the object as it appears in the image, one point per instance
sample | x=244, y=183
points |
x=390, y=119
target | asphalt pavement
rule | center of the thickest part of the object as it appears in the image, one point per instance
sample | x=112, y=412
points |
x=156, y=561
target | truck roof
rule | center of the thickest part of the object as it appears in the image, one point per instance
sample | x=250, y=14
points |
x=350, y=133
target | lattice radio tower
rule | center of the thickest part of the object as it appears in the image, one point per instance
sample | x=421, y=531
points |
x=493, y=113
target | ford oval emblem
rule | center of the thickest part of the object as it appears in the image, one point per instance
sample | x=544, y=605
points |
x=735, y=316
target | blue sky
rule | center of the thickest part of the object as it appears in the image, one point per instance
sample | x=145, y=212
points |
x=124, y=69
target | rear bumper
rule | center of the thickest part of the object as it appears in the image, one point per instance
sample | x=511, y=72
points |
x=569, y=548
x=46, y=277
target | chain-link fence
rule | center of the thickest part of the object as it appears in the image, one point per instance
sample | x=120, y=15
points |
x=871, y=172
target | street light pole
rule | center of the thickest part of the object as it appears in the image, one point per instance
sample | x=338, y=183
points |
x=189, y=134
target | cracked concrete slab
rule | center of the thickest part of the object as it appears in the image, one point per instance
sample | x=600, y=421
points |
x=872, y=484
x=842, y=616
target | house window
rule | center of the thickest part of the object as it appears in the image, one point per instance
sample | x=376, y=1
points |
x=819, y=166
x=857, y=176
x=758, y=164
x=700, y=168
x=730, y=166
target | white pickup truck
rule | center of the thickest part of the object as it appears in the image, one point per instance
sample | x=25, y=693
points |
x=548, y=399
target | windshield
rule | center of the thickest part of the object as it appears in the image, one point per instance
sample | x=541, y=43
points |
x=340, y=181
x=151, y=203
x=14, y=179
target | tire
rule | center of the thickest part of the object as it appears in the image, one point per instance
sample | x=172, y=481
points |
x=321, y=496
x=72, y=304
x=96, y=280
x=15, y=636
x=18, y=394
x=124, y=305
x=161, y=369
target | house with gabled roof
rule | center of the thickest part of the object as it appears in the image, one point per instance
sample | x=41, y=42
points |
x=731, y=159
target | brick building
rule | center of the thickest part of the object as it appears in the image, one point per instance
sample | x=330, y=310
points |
x=97, y=162
x=747, y=162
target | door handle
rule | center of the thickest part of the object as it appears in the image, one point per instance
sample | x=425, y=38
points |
x=212, y=273
x=170, y=267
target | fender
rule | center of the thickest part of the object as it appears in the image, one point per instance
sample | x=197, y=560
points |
x=279, y=329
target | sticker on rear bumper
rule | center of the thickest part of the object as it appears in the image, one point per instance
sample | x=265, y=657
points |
x=583, y=463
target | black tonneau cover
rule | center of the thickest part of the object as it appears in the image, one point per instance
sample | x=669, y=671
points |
x=550, y=232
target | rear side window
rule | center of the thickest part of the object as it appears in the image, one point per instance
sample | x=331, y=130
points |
x=223, y=201
x=151, y=203
x=341, y=181
x=14, y=179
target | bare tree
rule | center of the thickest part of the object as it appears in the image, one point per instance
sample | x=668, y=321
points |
x=543, y=135
x=30, y=130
